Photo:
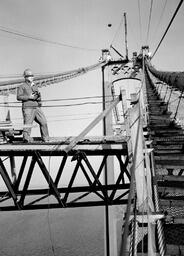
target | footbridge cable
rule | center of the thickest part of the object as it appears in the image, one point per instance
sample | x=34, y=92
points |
x=149, y=22
x=10, y=86
x=174, y=79
x=174, y=15
x=28, y=36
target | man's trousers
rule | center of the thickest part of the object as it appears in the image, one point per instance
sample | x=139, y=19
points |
x=37, y=115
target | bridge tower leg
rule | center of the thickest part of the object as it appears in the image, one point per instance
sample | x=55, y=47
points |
x=110, y=228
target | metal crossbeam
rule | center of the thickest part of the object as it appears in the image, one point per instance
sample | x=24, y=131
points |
x=58, y=195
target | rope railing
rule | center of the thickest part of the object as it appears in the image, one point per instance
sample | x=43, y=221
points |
x=173, y=79
x=147, y=209
x=160, y=232
x=10, y=86
x=132, y=193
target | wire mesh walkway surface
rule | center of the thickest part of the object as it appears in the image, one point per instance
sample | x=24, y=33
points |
x=168, y=144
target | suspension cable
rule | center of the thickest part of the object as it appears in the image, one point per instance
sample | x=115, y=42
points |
x=170, y=96
x=45, y=80
x=150, y=13
x=115, y=35
x=161, y=87
x=167, y=87
x=60, y=105
x=176, y=11
x=66, y=99
x=140, y=23
x=178, y=105
x=161, y=16
x=21, y=34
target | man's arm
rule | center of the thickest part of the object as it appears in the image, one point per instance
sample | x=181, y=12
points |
x=22, y=97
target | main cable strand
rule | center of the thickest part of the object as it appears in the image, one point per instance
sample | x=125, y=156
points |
x=140, y=23
x=174, y=15
x=115, y=35
x=161, y=17
x=64, y=99
x=63, y=105
x=21, y=34
x=149, y=22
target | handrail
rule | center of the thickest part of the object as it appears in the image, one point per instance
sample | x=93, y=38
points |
x=44, y=80
x=174, y=79
x=91, y=125
x=131, y=194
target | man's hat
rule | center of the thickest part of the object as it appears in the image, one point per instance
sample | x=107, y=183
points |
x=27, y=72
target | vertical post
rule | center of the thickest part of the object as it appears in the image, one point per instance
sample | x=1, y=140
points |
x=160, y=232
x=13, y=169
x=110, y=222
x=126, y=44
x=106, y=213
x=178, y=105
x=143, y=90
x=5, y=113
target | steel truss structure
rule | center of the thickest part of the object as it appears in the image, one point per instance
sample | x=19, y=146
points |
x=21, y=196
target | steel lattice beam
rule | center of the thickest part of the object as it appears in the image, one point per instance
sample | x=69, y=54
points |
x=58, y=195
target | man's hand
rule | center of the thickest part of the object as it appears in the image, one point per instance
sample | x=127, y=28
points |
x=33, y=96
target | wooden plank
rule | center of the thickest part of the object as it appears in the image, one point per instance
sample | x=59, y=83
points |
x=46, y=149
x=161, y=121
x=168, y=132
x=91, y=125
x=86, y=140
x=171, y=203
x=171, y=157
x=170, y=178
x=168, y=151
x=173, y=139
x=171, y=188
x=169, y=164
x=159, y=117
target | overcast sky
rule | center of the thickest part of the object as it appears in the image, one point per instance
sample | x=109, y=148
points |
x=83, y=26
x=79, y=24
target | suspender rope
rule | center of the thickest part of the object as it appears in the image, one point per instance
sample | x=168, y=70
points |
x=134, y=225
x=178, y=105
x=169, y=96
x=165, y=92
x=134, y=231
x=160, y=231
x=161, y=88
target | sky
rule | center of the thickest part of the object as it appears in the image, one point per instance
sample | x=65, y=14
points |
x=82, y=26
